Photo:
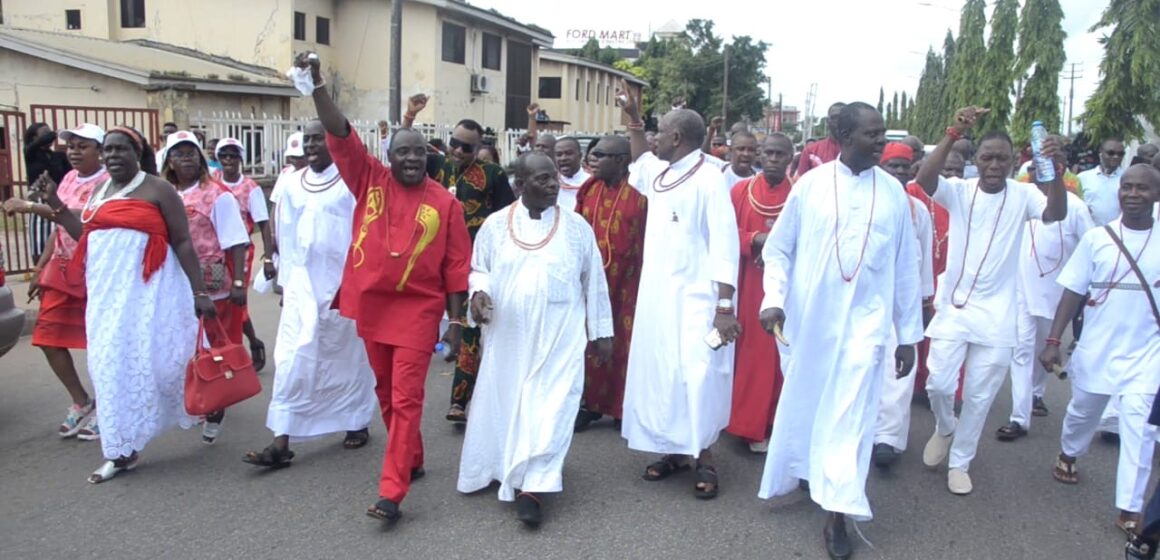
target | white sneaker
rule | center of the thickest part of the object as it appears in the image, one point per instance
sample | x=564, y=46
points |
x=210, y=432
x=759, y=446
x=959, y=482
x=937, y=449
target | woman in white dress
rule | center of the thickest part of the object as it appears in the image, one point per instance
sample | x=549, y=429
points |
x=140, y=321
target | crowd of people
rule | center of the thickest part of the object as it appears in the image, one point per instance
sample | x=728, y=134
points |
x=685, y=282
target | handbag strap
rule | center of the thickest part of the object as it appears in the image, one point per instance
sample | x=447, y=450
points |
x=220, y=332
x=1136, y=268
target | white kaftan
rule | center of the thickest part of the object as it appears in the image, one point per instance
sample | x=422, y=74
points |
x=679, y=391
x=570, y=187
x=893, y=426
x=548, y=303
x=141, y=335
x=323, y=382
x=837, y=329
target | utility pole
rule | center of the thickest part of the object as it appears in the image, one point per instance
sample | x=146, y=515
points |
x=725, y=90
x=396, y=69
x=1071, y=96
x=780, y=114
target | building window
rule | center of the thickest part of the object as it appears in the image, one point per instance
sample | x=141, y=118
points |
x=322, y=31
x=454, y=43
x=550, y=88
x=492, y=51
x=72, y=19
x=608, y=94
x=588, y=91
x=132, y=13
x=577, y=90
x=299, y=26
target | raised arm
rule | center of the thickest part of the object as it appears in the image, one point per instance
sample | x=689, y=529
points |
x=1056, y=209
x=631, y=106
x=928, y=174
x=415, y=104
x=328, y=112
x=533, y=126
x=714, y=127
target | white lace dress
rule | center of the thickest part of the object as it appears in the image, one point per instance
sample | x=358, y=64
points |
x=140, y=337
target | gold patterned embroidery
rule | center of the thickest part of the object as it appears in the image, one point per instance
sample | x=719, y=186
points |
x=374, y=211
x=428, y=218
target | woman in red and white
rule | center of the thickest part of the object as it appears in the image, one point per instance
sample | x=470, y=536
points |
x=143, y=288
x=219, y=238
x=60, y=325
x=256, y=214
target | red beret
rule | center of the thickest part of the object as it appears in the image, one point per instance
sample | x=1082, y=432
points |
x=896, y=150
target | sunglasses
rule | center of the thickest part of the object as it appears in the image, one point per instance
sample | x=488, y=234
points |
x=601, y=155
x=464, y=147
x=1114, y=154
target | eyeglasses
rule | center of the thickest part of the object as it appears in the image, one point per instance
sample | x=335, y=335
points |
x=601, y=155
x=1114, y=154
x=456, y=143
x=229, y=155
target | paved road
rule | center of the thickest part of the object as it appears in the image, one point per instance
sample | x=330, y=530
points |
x=188, y=500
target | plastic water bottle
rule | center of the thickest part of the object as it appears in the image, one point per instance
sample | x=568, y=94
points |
x=1044, y=166
x=442, y=349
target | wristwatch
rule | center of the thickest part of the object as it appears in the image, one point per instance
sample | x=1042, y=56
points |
x=239, y=284
x=725, y=304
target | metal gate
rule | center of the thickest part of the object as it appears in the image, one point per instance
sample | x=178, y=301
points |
x=15, y=249
x=64, y=117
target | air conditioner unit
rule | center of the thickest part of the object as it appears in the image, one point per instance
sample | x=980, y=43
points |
x=480, y=84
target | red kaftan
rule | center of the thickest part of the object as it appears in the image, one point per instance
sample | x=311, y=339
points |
x=617, y=217
x=757, y=375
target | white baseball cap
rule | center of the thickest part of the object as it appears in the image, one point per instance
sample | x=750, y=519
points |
x=294, y=146
x=229, y=142
x=87, y=131
x=179, y=137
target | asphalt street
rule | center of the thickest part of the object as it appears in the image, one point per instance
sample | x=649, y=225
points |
x=189, y=500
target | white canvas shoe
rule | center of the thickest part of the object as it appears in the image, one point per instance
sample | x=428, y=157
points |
x=937, y=449
x=959, y=482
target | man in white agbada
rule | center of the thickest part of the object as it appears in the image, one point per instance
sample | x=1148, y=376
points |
x=841, y=272
x=1118, y=358
x=893, y=426
x=1046, y=247
x=323, y=382
x=568, y=157
x=539, y=293
x=975, y=325
x=679, y=387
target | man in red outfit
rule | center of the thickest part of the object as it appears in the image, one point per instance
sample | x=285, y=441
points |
x=409, y=261
x=824, y=150
x=617, y=214
x=757, y=370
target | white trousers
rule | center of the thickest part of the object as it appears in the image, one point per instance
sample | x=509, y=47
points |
x=1137, y=440
x=1028, y=378
x=986, y=366
x=893, y=425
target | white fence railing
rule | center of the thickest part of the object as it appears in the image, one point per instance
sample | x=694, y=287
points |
x=265, y=137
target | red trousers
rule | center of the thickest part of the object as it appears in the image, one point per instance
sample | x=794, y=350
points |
x=401, y=377
x=231, y=317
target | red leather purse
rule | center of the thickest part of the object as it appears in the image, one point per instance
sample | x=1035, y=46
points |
x=220, y=376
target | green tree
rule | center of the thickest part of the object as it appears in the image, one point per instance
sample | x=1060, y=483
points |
x=903, y=113
x=927, y=116
x=1041, y=39
x=892, y=119
x=881, y=100
x=998, y=68
x=1130, y=72
x=947, y=107
x=966, y=69
x=593, y=51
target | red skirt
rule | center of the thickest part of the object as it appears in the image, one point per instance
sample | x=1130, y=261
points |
x=61, y=322
x=231, y=317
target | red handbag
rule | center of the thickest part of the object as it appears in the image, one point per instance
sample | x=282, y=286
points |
x=220, y=376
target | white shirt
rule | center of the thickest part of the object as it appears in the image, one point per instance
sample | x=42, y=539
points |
x=570, y=187
x=1045, y=250
x=732, y=178
x=977, y=294
x=1101, y=192
x=1120, y=349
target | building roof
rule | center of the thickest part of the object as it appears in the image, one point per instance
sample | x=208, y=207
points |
x=670, y=27
x=148, y=64
x=536, y=34
x=565, y=58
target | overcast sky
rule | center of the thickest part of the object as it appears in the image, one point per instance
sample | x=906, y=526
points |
x=873, y=43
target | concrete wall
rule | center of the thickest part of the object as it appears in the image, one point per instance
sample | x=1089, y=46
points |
x=27, y=80
x=97, y=16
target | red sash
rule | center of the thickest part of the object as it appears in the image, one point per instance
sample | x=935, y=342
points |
x=130, y=214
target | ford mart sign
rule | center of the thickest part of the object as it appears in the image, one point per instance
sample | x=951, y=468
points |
x=614, y=38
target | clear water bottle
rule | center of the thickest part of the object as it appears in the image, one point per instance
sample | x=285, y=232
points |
x=1044, y=166
x=443, y=350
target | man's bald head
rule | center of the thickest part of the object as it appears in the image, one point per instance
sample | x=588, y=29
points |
x=1146, y=153
x=916, y=146
x=681, y=131
x=1139, y=191
x=963, y=147
x=545, y=144
x=955, y=166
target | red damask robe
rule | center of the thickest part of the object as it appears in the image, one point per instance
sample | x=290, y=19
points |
x=617, y=216
x=757, y=375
